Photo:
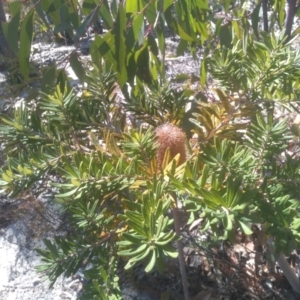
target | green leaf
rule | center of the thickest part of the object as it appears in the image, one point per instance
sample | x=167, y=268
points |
x=63, y=81
x=233, y=191
x=6, y=178
x=106, y=14
x=11, y=28
x=152, y=224
x=166, y=238
x=26, y=34
x=134, y=6
x=167, y=5
x=14, y=7
x=160, y=30
x=140, y=256
x=295, y=129
x=246, y=229
x=203, y=72
x=100, y=290
x=225, y=36
x=152, y=262
x=120, y=57
x=150, y=12
x=180, y=78
x=159, y=210
x=137, y=228
x=261, y=46
x=77, y=66
x=134, y=216
x=182, y=46
x=88, y=6
x=114, y=5
x=169, y=251
x=103, y=273
x=183, y=34
x=226, y=5
x=48, y=80
x=51, y=248
x=227, y=222
x=213, y=197
x=255, y=19
x=64, y=26
x=67, y=194
x=130, y=252
x=133, y=238
x=85, y=24
x=143, y=61
x=281, y=12
x=159, y=226
x=125, y=243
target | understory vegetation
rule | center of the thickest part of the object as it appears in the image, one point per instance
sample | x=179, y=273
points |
x=234, y=165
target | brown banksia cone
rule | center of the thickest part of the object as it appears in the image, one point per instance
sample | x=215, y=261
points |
x=170, y=136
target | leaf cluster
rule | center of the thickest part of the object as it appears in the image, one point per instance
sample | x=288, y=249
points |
x=102, y=150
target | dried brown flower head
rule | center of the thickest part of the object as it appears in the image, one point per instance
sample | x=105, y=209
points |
x=170, y=136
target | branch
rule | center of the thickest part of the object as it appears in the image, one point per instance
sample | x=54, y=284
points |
x=177, y=224
x=288, y=273
x=265, y=15
x=285, y=267
x=290, y=14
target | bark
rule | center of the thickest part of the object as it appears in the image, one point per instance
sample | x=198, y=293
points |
x=265, y=15
x=290, y=14
x=177, y=223
x=289, y=273
x=285, y=267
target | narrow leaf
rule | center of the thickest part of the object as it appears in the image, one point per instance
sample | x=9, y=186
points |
x=25, y=42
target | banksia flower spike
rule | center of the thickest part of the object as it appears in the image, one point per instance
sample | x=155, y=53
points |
x=172, y=137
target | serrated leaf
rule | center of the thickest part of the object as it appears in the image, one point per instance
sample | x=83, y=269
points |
x=86, y=22
x=106, y=13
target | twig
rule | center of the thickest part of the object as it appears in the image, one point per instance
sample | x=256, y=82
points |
x=290, y=15
x=177, y=224
x=285, y=267
x=265, y=15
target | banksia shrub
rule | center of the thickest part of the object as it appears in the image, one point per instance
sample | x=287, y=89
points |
x=170, y=136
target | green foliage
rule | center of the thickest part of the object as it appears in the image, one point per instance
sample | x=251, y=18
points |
x=162, y=104
x=268, y=71
x=109, y=183
x=100, y=152
x=148, y=237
